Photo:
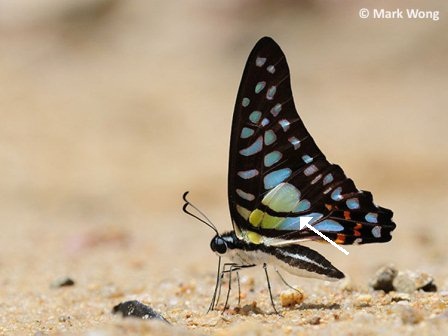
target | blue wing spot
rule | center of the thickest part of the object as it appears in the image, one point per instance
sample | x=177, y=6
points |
x=245, y=102
x=272, y=158
x=271, y=69
x=259, y=87
x=276, y=109
x=310, y=170
x=290, y=223
x=315, y=215
x=247, y=174
x=255, y=116
x=307, y=159
x=352, y=203
x=302, y=206
x=269, y=137
x=295, y=142
x=271, y=92
x=276, y=177
x=376, y=231
x=254, y=148
x=260, y=61
x=265, y=122
x=336, y=194
x=246, y=132
x=284, y=124
x=328, y=179
x=245, y=195
x=372, y=217
x=329, y=225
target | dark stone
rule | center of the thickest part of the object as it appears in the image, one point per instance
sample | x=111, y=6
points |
x=138, y=310
x=430, y=287
x=63, y=282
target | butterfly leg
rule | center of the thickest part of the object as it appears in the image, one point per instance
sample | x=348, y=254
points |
x=239, y=287
x=218, y=284
x=284, y=281
x=232, y=267
x=230, y=286
x=226, y=268
x=221, y=276
x=269, y=287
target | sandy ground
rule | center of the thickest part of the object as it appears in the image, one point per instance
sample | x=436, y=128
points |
x=111, y=110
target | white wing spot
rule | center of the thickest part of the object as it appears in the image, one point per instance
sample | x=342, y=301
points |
x=276, y=109
x=310, y=170
x=245, y=195
x=284, y=124
x=247, y=174
x=271, y=92
x=376, y=231
x=317, y=178
x=295, y=142
x=260, y=61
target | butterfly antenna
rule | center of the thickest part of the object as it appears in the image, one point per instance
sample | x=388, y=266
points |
x=206, y=220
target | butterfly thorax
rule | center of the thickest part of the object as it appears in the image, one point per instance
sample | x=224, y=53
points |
x=236, y=250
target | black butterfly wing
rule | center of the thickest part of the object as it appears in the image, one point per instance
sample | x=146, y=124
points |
x=277, y=174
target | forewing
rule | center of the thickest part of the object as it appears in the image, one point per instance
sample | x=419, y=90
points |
x=278, y=174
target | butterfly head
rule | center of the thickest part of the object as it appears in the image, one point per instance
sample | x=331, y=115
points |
x=218, y=245
x=221, y=244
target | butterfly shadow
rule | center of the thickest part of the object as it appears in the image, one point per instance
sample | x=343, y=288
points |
x=318, y=306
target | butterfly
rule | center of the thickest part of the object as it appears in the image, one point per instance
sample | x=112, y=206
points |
x=277, y=175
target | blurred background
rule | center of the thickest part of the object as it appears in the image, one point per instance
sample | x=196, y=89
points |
x=111, y=109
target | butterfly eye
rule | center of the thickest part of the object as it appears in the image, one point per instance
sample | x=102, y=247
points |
x=218, y=245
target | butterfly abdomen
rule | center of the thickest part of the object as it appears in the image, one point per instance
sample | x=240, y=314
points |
x=305, y=262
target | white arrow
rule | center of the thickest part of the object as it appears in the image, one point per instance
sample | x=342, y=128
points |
x=304, y=222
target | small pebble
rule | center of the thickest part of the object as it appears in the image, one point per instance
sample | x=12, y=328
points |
x=62, y=282
x=137, y=309
x=347, y=285
x=363, y=300
x=408, y=314
x=423, y=280
x=291, y=298
x=247, y=280
x=396, y=297
x=315, y=320
x=383, y=278
x=186, y=288
x=409, y=282
x=363, y=318
x=248, y=309
x=111, y=292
